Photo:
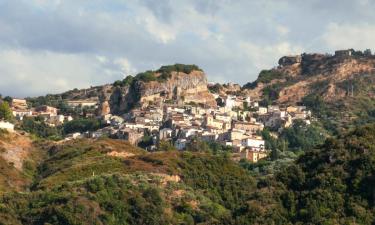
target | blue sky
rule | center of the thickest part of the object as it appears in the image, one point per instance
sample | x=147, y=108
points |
x=50, y=46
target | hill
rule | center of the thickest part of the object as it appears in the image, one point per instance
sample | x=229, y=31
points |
x=337, y=87
x=108, y=181
x=111, y=182
x=332, y=184
x=178, y=84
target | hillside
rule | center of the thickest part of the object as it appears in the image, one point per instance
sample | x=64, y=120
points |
x=332, y=184
x=110, y=182
x=339, y=86
x=18, y=159
x=178, y=84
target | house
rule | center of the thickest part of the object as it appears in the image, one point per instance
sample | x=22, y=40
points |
x=165, y=133
x=254, y=143
x=180, y=144
x=230, y=102
x=116, y=120
x=133, y=136
x=73, y=136
x=56, y=120
x=46, y=110
x=262, y=110
x=82, y=103
x=235, y=135
x=20, y=113
x=214, y=123
x=7, y=126
x=18, y=104
x=152, y=127
x=224, y=117
x=247, y=126
x=252, y=155
x=344, y=53
x=209, y=136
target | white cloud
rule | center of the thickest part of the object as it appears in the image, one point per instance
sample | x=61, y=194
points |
x=345, y=36
x=24, y=72
x=265, y=57
x=70, y=43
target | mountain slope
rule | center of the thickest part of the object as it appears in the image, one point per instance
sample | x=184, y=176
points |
x=178, y=84
x=332, y=184
x=110, y=182
x=340, y=89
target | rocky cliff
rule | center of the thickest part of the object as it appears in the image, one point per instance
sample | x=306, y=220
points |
x=333, y=77
x=178, y=87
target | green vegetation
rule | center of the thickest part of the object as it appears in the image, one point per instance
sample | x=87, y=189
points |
x=81, y=125
x=40, y=128
x=178, y=68
x=164, y=71
x=83, y=182
x=5, y=111
x=291, y=143
x=266, y=76
x=79, y=183
x=125, y=82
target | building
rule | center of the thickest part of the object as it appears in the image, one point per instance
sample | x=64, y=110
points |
x=252, y=155
x=82, y=103
x=18, y=104
x=20, y=114
x=262, y=110
x=7, y=126
x=344, y=53
x=180, y=144
x=133, y=136
x=254, y=143
x=247, y=126
x=57, y=120
x=214, y=123
x=46, y=110
x=165, y=133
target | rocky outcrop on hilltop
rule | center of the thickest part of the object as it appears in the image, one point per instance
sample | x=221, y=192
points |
x=333, y=77
x=178, y=84
x=174, y=84
x=178, y=87
x=224, y=89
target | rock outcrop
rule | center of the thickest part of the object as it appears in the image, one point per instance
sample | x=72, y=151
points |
x=179, y=88
x=329, y=76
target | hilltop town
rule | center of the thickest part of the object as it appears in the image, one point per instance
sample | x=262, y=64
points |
x=176, y=116
x=173, y=147
x=175, y=106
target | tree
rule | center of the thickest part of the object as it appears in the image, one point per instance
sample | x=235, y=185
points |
x=165, y=146
x=8, y=99
x=5, y=111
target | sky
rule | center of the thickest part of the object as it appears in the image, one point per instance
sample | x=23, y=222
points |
x=51, y=46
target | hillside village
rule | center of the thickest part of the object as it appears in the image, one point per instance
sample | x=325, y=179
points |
x=176, y=107
x=236, y=122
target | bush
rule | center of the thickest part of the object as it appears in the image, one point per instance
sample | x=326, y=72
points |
x=5, y=112
x=178, y=68
x=81, y=125
x=38, y=127
x=266, y=76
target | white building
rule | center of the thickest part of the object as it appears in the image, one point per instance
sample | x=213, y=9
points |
x=7, y=126
x=254, y=143
x=165, y=133
x=180, y=144
x=230, y=102
x=262, y=110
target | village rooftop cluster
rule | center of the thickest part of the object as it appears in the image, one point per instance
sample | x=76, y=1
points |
x=236, y=123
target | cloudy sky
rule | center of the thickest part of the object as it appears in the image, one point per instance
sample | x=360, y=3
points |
x=49, y=46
